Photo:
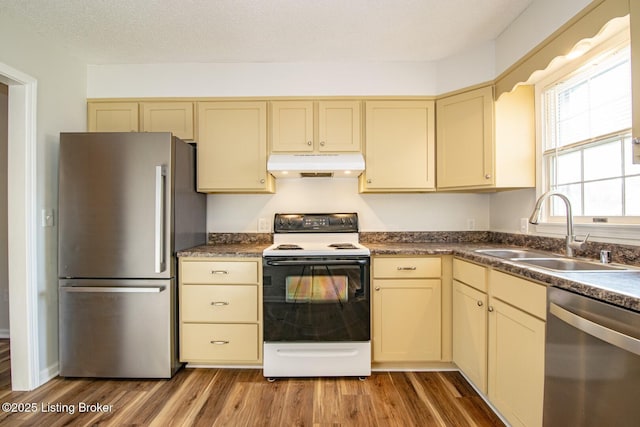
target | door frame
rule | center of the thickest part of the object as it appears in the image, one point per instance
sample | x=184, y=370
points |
x=22, y=224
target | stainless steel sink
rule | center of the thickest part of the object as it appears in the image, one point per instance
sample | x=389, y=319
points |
x=514, y=253
x=568, y=264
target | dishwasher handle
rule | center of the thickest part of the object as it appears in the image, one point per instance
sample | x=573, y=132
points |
x=114, y=289
x=601, y=332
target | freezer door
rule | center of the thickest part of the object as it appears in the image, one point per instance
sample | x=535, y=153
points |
x=115, y=204
x=118, y=329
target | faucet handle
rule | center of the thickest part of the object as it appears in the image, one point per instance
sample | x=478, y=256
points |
x=577, y=243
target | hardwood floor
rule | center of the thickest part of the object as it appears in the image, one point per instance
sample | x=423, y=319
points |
x=242, y=397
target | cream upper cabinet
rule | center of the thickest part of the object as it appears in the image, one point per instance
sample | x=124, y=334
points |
x=486, y=144
x=407, y=309
x=112, y=116
x=339, y=126
x=174, y=117
x=635, y=75
x=232, y=147
x=399, y=147
x=310, y=126
x=292, y=126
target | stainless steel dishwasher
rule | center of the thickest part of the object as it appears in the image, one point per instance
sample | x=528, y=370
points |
x=592, y=363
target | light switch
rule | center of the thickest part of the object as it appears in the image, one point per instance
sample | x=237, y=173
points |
x=47, y=218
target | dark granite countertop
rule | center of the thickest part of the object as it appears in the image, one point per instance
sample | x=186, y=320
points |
x=248, y=250
x=619, y=288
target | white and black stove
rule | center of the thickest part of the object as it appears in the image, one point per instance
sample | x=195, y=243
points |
x=316, y=298
x=315, y=235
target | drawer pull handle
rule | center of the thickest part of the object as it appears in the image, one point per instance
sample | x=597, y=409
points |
x=219, y=303
x=219, y=272
x=219, y=342
x=407, y=268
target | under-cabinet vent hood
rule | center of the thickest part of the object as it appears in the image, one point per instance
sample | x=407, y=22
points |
x=315, y=165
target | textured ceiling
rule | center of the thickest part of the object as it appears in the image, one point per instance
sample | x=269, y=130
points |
x=156, y=31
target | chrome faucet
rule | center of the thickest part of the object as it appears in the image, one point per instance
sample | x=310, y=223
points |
x=572, y=242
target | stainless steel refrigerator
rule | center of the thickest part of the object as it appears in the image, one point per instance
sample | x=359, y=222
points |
x=127, y=204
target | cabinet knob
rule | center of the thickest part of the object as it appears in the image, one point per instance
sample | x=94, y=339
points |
x=490, y=309
x=487, y=176
x=368, y=181
x=480, y=303
x=262, y=181
x=636, y=140
x=322, y=143
x=377, y=288
x=309, y=143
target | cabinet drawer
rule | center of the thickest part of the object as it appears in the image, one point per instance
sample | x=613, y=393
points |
x=219, y=342
x=219, y=303
x=406, y=267
x=523, y=294
x=472, y=274
x=219, y=272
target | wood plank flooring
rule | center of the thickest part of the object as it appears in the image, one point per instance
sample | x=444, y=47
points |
x=242, y=397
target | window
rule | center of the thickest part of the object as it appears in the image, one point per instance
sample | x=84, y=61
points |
x=586, y=138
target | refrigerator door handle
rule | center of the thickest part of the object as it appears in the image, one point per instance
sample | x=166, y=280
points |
x=161, y=174
x=114, y=289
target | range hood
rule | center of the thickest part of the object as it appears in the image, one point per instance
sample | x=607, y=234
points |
x=348, y=165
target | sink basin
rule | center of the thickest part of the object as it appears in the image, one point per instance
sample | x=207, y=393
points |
x=568, y=264
x=513, y=253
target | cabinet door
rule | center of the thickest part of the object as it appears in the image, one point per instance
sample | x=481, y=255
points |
x=516, y=364
x=470, y=333
x=465, y=139
x=399, y=146
x=339, y=126
x=635, y=76
x=112, y=116
x=175, y=117
x=406, y=320
x=232, y=147
x=292, y=126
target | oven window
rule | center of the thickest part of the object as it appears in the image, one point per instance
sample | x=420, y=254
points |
x=316, y=289
x=316, y=302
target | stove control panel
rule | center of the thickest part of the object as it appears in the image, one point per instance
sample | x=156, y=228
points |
x=316, y=223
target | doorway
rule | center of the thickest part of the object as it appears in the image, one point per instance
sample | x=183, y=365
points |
x=22, y=220
x=4, y=266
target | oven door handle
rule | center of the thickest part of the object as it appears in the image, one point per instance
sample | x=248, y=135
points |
x=317, y=262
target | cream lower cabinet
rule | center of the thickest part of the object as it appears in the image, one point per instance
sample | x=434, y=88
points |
x=406, y=309
x=221, y=311
x=498, y=339
x=517, y=309
x=399, y=147
x=232, y=148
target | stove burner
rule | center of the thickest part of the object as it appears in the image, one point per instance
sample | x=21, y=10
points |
x=343, y=246
x=287, y=247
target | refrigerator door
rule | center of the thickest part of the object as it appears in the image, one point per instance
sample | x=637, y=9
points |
x=115, y=205
x=117, y=329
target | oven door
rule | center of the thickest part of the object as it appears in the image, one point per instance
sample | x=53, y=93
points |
x=316, y=299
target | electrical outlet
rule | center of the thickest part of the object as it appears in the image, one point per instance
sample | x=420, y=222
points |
x=471, y=224
x=263, y=225
x=524, y=225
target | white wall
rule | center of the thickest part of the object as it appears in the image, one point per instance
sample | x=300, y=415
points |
x=377, y=212
x=541, y=19
x=61, y=106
